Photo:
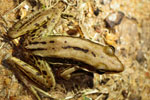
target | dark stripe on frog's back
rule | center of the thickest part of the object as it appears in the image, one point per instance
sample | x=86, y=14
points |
x=42, y=42
x=63, y=47
x=36, y=43
x=76, y=48
x=52, y=41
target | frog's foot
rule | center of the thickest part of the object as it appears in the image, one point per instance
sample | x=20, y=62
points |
x=46, y=72
x=35, y=90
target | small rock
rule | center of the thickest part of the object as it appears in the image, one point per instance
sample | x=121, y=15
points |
x=72, y=31
x=140, y=56
x=114, y=19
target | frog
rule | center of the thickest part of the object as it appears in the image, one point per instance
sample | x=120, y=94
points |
x=42, y=48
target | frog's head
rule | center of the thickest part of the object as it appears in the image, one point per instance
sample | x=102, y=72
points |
x=108, y=62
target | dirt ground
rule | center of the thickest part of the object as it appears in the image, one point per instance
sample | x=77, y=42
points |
x=95, y=20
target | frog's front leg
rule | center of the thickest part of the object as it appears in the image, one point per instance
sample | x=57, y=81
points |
x=67, y=73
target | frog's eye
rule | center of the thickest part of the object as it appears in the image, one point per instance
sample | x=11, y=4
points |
x=109, y=50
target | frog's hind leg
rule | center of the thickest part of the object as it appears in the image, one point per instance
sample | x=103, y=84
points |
x=38, y=76
x=43, y=77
